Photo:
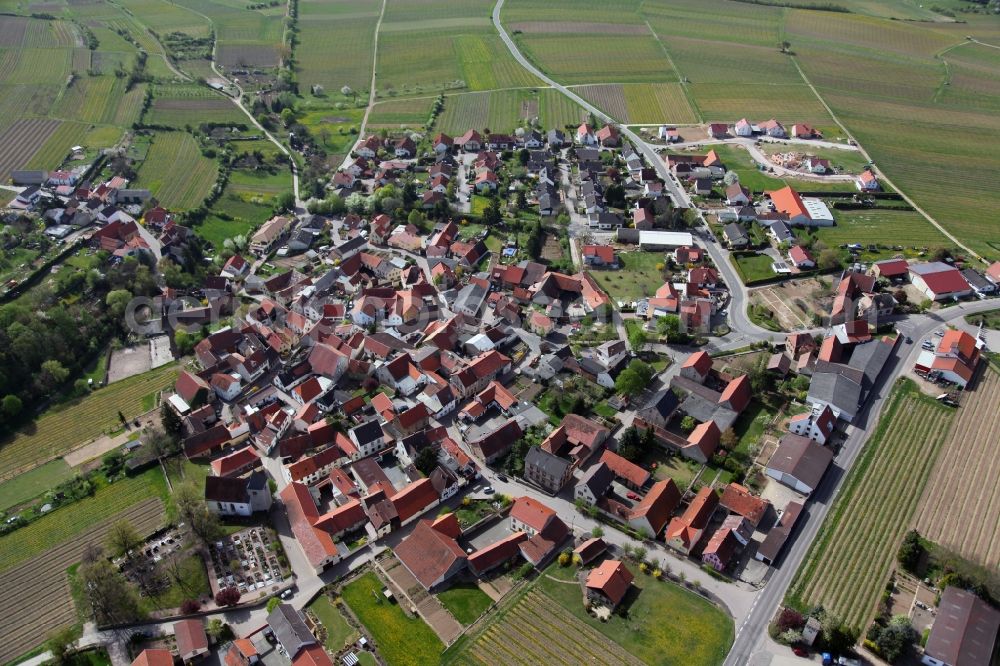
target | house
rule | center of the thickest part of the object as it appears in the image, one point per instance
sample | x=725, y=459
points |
x=955, y=359
x=800, y=258
x=720, y=548
x=817, y=424
x=799, y=463
x=803, y=131
x=236, y=496
x=585, y=135
x=608, y=583
x=651, y=241
x=442, y=143
x=496, y=444
x=470, y=142
x=191, y=639
x=737, y=499
x=808, y=212
x=769, y=550
x=601, y=256
x=594, y=484
x=269, y=234
x=893, y=270
x=545, y=531
x=993, y=273
x=628, y=473
x=701, y=186
x=737, y=195
x=369, y=147
x=939, y=281
x=577, y=438
x=154, y=657
x=651, y=514
x=547, y=471
x=685, y=531
x=735, y=235
x=979, y=283
x=840, y=391
x=743, y=127
x=590, y=549
x=431, y=552
x=608, y=136
x=773, y=129
x=718, y=130
x=555, y=138
x=290, y=630
x=964, y=632
x=867, y=181
x=780, y=232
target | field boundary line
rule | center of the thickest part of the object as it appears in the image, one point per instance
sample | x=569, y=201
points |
x=881, y=173
x=680, y=77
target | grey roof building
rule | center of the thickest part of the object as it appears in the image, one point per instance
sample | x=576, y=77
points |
x=736, y=235
x=964, y=632
x=546, y=470
x=594, y=484
x=841, y=393
x=290, y=629
x=799, y=463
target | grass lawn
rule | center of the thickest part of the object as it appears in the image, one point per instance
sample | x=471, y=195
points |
x=749, y=427
x=989, y=319
x=338, y=632
x=215, y=230
x=29, y=485
x=680, y=469
x=605, y=410
x=638, y=278
x=696, y=633
x=739, y=160
x=466, y=602
x=400, y=640
x=471, y=514
x=193, y=584
x=882, y=227
x=753, y=268
x=478, y=205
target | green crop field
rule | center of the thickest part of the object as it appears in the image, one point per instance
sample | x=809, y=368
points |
x=397, y=112
x=888, y=227
x=500, y=111
x=847, y=566
x=84, y=419
x=181, y=105
x=176, y=172
x=401, y=640
x=349, y=25
x=28, y=485
x=598, y=58
x=66, y=522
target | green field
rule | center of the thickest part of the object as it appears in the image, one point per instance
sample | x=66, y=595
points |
x=500, y=111
x=73, y=519
x=29, y=485
x=890, y=227
x=399, y=639
x=847, y=566
x=399, y=112
x=465, y=601
x=83, y=419
x=348, y=24
x=753, y=267
x=191, y=105
x=338, y=632
x=638, y=278
x=176, y=172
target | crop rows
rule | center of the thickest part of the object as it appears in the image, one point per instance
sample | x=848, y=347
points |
x=600, y=11
x=589, y=59
x=609, y=98
x=56, y=147
x=20, y=141
x=537, y=630
x=846, y=566
x=92, y=100
x=73, y=519
x=787, y=103
x=12, y=29
x=867, y=33
x=657, y=103
x=354, y=37
x=486, y=64
x=961, y=503
x=401, y=112
x=41, y=587
x=72, y=425
x=176, y=172
x=42, y=66
x=465, y=111
x=743, y=23
x=703, y=61
x=557, y=110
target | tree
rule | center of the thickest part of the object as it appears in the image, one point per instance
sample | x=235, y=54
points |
x=110, y=598
x=426, y=460
x=670, y=326
x=287, y=117
x=218, y=630
x=11, y=406
x=731, y=178
x=123, y=538
x=894, y=640
x=784, y=46
x=172, y=423
x=910, y=551
x=630, y=446
x=284, y=202
x=117, y=301
x=52, y=375
x=637, y=338
x=728, y=440
x=789, y=618
x=229, y=596
x=829, y=259
x=520, y=200
x=193, y=511
x=190, y=607
x=597, y=532
x=634, y=379
x=272, y=603
x=565, y=559
x=523, y=156
x=60, y=644
x=687, y=423
x=492, y=216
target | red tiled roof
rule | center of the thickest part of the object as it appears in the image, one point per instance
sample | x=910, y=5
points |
x=700, y=361
x=787, y=201
x=738, y=499
x=705, y=437
x=945, y=281
x=188, y=384
x=414, y=415
x=428, y=553
x=624, y=469
x=312, y=655
x=414, y=498
x=532, y=513
x=346, y=517
x=190, y=636
x=612, y=579
x=658, y=504
x=738, y=393
x=235, y=462
x=605, y=253
x=955, y=341
x=892, y=267
x=151, y=657
x=496, y=553
x=830, y=350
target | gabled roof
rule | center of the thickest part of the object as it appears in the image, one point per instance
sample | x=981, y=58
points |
x=496, y=553
x=532, y=513
x=787, y=201
x=658, y=504
x=612, y=579
x=940, y=278
x=700, y=361
x=739, y=500
x=965, y=629
x=191, y=637
x=414, y=499
x=801, y=458
x=624, y=469
x=429, y=553
x=153, y=657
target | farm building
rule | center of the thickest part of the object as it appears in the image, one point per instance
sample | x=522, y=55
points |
x=939, y=281
x=964, y=631
x=664, y=240
x=805, y=211
x=799, y=463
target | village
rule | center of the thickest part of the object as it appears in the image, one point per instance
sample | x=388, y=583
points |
x=441, y=404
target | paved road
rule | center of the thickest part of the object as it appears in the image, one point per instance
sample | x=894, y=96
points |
x=753, y=645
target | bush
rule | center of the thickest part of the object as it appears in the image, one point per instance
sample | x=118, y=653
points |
x=272, y=603
x=229, y=596
x=565, y=559
x=790, y=618
x=190, y=607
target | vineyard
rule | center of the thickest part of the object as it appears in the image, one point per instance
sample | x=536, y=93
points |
x=320, y=25
x=847, y=565
x=176, y=172
x=75, y=423
x=401, y=112
x=40, y=584
x=537, y=630
x=598, y=58
x=961, y=503
x=658, y=103
x=56, y=147
x=22, y=140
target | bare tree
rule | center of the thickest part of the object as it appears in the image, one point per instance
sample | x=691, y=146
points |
x=123, y=539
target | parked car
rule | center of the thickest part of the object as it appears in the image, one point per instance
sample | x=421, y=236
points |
x=502, y=477
x=633, y=497
x=800, y=651
x=488, y=490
